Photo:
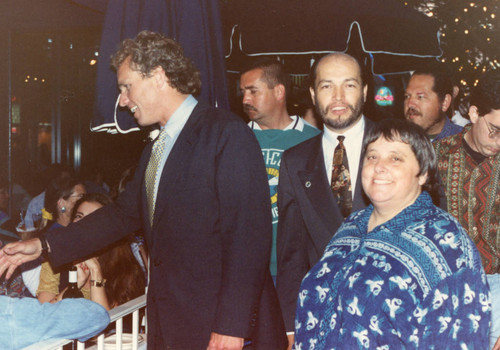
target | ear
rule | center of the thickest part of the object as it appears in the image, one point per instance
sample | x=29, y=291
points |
x=61, y=203
x=279, y=92
x=446, y=103
x=473, y=114
x=365, y=92
x=311, y=90
x=422, y=179
x=159, y=76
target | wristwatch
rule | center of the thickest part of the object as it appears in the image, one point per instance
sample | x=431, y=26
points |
x=45, y=248
x=98, y=283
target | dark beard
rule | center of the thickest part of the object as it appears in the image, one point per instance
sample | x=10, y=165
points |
x=341, y=124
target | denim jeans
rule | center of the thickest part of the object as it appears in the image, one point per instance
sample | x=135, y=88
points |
x=494, y=282
x=24, y=321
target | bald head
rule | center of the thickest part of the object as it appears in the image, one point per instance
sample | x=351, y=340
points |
x=338, y=91
x=335, y=57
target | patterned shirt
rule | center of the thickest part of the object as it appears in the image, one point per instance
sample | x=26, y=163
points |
x=414, y=282
x=473, y=196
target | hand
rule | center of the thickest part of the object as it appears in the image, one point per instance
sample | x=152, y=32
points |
x=497, y=345
x=93, y=265
x=83, y=274
x=17, y=253
x=224, y=342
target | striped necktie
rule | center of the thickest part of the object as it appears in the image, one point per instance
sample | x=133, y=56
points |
x=341, y=178
x=152, y=170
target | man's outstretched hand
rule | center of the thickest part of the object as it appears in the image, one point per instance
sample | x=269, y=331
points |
x=18, y=253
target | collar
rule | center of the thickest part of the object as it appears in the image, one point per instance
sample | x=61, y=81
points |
x=399, y=223
x=297, y=123
x=459, y=139
x=180, y=116
x=449, y=129
x=351, y=134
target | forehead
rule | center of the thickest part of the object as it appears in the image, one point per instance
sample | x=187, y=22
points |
x=125, y=72
x=88, y=207
x=78, y=188
x=338, y=67
x=252, y=77
x=421, y=82
x=384, y=145
x=494, y=117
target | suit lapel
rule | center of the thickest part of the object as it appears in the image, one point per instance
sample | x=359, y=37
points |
x=177, y=163
x=317, y=190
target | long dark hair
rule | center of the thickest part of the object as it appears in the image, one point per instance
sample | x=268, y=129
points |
x=124, y=277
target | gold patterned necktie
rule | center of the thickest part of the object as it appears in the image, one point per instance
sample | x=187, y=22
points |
x=341, y=178
x=152, y=170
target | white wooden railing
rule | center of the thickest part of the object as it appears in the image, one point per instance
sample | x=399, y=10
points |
x=139, y=341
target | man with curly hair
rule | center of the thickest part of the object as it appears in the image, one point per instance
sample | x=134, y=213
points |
x=200, y=194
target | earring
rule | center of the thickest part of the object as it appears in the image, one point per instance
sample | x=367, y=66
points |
x=63, y=209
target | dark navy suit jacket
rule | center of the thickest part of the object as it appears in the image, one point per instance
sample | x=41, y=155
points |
x=308, y=217
x=210, y=240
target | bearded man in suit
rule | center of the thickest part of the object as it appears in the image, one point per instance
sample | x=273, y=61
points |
x=308, y=201
x=201, y=196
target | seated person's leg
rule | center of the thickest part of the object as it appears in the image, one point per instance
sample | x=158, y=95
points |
x=25, y=321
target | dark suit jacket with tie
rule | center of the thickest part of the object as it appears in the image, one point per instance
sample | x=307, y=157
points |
x=210, y=240
x=308, y=217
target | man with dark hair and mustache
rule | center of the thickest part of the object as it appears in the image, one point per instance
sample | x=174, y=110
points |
x=309, y=211
x=264, y=85
x=428, y=97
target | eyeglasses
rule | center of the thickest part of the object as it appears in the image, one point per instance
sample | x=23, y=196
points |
x=492, y=133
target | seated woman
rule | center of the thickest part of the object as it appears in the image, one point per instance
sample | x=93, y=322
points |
x=111, y=279
x=61, y=195
x=402, y=273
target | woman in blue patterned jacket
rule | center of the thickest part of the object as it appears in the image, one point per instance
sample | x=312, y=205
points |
x=402, y=273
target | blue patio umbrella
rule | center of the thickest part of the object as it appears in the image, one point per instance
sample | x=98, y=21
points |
x=195, y=24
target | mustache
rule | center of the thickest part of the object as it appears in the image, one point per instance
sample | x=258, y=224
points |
x=413, y=111
x=348, y=106
x=247, y=107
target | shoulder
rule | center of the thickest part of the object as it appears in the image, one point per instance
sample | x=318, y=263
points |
x=451, y=239
x=217, y=115
x=368, y=123
x=312, y=145
x=448, y=145
x=218, y=121
x=310, y=130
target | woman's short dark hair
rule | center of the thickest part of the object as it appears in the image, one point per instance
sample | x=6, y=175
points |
x=413, y=135
x=95, y=197
x=59, y=187
x=149, y=50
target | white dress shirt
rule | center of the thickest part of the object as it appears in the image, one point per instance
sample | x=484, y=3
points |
x=173, y=128
x=353, y=143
